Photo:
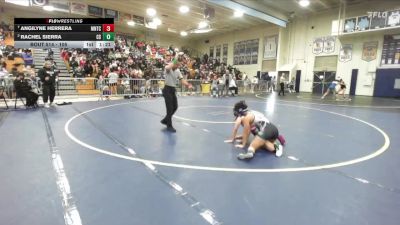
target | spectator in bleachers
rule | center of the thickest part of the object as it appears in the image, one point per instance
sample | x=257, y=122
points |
x=113, y=79
x=3, y=70
x=227, y=78
x=27, y=55
x=233, y=87
x=214, y=86
x=24, y=90
x=74, y=65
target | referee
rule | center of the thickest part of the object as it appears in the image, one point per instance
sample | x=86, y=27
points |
x=172, y=74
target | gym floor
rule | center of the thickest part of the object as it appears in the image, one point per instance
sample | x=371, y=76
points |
x=340, y=163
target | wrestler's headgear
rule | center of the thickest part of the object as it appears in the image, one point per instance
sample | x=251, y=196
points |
x=240, y=109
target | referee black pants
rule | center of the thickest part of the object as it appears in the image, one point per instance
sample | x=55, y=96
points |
x=282, y=89
x=171, y=103
x=48, y=91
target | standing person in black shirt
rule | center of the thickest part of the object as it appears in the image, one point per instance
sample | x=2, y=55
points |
x=48, y=78
x=282, y=84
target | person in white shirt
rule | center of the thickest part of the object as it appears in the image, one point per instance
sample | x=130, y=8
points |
x=254, y=83
x=232, y=86
x=112, y=80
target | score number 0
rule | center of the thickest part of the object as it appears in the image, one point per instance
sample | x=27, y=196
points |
x=107, y=37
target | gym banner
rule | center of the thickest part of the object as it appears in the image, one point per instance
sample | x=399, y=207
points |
x=329, y=44
x=350, y=25
x=372, y=21
x=270, y=47
x=225, y=54
x=247, y=60
x=346, y=52
x=242, y=52
x=393, y=19
x=236, y=53
x=363, y=23
x=109, y=13
x=369, y=51
x=125, y=17
x=318, y=46
x=138, y=20
x=79, y=8
x=60, y=5
x=95, y=11
x=391, y=50
x=254, y=53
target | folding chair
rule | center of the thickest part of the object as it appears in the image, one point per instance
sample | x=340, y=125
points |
x=17, y=96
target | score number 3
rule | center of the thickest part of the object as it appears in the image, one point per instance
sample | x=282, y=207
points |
x=108, y=27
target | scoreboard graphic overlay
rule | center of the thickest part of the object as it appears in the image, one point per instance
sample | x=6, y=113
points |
x=64, y=32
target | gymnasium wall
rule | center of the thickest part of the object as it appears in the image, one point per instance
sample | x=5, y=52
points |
x=236, y=36
x=302, y=32
x=176, y=40
x=296, y=41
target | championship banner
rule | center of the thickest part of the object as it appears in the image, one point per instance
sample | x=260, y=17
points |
x=95, y=11
x=345, y=53
x=225, y=53
x=79, y=8
x=242, y=52
x=350, y=25
x=363, y=23
x=390, y=52
x=369, y=51
x=318, y=46
x=270, y=47
x=247, y=60
x=236, y=54
x=329, y=44
x=109, y=13
x=138, y=20
x=60, y=5
x=254, y=53
x=393, y=18
x=125, y=17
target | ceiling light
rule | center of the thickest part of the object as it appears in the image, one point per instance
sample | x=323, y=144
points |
x=200, y=31
x=184, y=33
x=304, y=3
x=184, y=9
x=131, y=23
x=203, y=24
x=238, y=14
x=151, y=12
x=48, y=7
x=172, y=30
x=157, y=21
x=151, y=25
x=19, y=2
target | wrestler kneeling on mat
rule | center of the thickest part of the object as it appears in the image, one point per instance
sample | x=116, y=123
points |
x=266, y=134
